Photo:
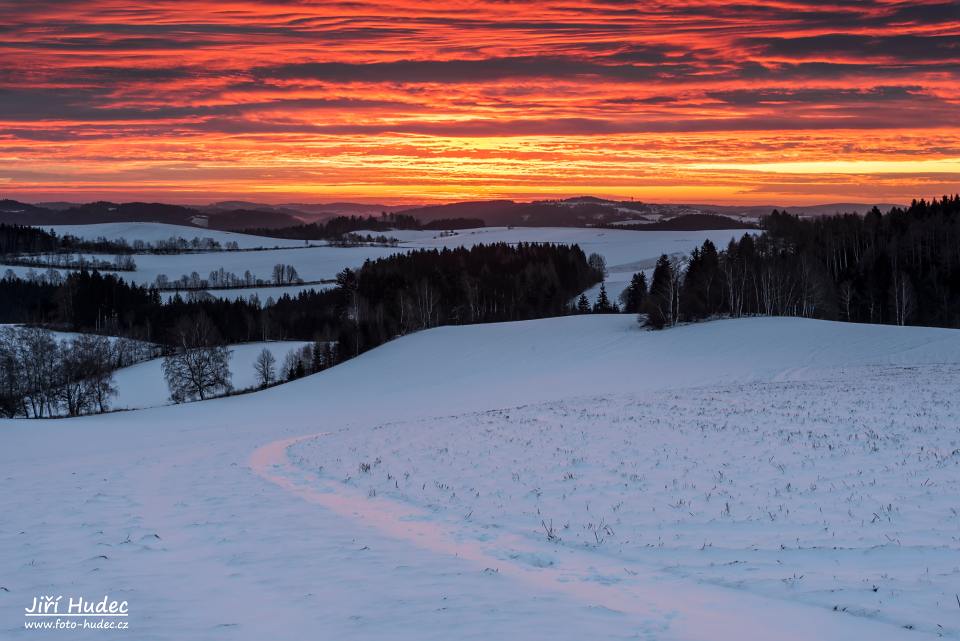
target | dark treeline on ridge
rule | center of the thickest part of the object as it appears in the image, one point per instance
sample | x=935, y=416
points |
x=15, y=239
x=902, y=268
x=383, y=299
x=688, y=222
x=339, y=226
x=484, y=284
x=23, y=239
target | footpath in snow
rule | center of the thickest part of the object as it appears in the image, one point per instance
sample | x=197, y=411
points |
x=729, y=480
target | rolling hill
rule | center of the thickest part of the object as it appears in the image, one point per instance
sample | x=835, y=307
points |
x=571, y=477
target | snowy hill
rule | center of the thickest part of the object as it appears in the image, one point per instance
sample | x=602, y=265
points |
x=625, y=251
x=564, y=478
x=143, y=385
x=154, y=232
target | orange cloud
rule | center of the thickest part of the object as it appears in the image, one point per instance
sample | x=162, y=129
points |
x=407, y=101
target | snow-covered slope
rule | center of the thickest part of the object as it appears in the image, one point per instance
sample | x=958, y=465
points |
x=154, y=232
x=142, y=385
x=626, y=252
x=311, y=263
x=233, y=502
x=618, y=246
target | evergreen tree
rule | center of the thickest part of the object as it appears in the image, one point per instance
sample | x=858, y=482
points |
x=603, y=306
x=701, y=293
x=634, y=296
x=583, y=305
x=659, y=304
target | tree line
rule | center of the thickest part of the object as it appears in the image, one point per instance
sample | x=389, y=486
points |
x=198, y=366
x=65, y=260
x=15, y=239
x=342, y=226
x=280, y=275
x=901, y=268
x=383, y=299
x=43, y=376
x=392, y=296
x=23, y=239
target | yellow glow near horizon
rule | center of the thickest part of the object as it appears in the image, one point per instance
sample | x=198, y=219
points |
x=866, y=167
x=406, y=101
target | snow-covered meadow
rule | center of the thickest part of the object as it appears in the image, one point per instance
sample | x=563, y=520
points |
x=565, y=478
x=841, y=492
x=143, y=385
x=626, y=252
x=159, y=232
x=312, y=263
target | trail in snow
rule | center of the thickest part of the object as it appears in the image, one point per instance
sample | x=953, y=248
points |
x=241, y=557
x=685, y=610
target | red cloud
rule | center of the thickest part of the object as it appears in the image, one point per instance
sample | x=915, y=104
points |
x=420, y=100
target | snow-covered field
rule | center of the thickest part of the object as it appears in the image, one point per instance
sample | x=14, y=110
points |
x=142, y=385
x=154, y=232
x=841, y=492
x=742, y=479
x=626, y=252
x=618, y=246
x=311, y=263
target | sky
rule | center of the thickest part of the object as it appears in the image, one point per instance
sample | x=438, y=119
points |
x=772, y=101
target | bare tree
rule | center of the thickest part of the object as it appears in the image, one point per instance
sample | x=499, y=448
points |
x=40, y=354
x=290, y=275
x=13, y=389
x=298, y=362
x=279, y=274
x=678, y=265
x=72, y=390
x=599, y=264
x=902, y=297
x=735, y=279
x=97, y=355
x=199, y=367
x=846, y=292
x=426, y=300
x=41, y=377
x=265, y=367
x=197, y=373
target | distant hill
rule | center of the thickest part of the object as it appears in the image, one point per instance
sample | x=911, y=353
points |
x=317, y=212
x=587, y=211
x=237, y=219
x=12, y=211
x=692, y=222
x=828, y=209
x=18, y=213
x=57, y=205
x=583, y=211
x=308, y=212
x=243, y=205
x=494, y=212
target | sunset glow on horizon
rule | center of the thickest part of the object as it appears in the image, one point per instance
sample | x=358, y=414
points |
x=774, y=102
